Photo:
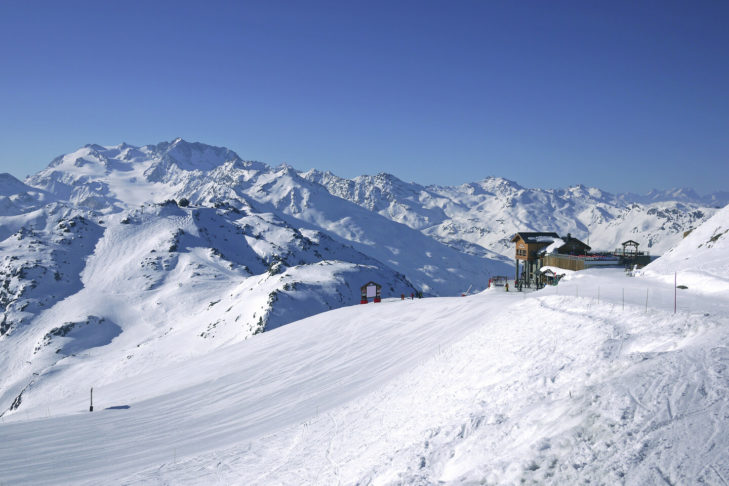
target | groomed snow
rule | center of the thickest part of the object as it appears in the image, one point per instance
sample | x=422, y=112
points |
x=575, y=383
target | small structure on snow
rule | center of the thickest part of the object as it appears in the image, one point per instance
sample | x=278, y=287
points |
x=631, y=256
x=550, y=277
x=630, y=247
x=371, y=290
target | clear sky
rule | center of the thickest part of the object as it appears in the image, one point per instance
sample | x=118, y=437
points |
x=625, y=96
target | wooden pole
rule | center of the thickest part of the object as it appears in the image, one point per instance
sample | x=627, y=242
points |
x=91, y=406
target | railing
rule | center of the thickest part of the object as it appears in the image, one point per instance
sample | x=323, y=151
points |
x=584, y=258
x=622, y=253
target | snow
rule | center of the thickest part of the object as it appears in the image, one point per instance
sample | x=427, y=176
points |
x=121, y=178
x=541, y=239
x=556, y=270
x=188, y=279
x=161, y=310
x=462, y=389
x=481, y=217
x=700, y=259
x=554, y=246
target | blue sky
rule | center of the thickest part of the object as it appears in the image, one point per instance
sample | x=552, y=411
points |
x=625, y=96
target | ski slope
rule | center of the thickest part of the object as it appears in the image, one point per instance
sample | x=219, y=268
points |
x=582, y=382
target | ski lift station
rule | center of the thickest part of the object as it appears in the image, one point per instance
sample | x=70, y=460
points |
x=535, y=250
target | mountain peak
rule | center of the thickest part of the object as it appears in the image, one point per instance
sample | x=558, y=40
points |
x=10, y=185
x=94, y=146
x=193, y=156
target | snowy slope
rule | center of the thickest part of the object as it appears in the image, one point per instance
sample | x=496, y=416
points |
x=451, y=390
x=195, y=277
x=160, y=307
x=701, y=258
x=115, y=267
x=17, y=198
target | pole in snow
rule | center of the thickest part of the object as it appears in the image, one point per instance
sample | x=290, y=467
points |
x=91, y=405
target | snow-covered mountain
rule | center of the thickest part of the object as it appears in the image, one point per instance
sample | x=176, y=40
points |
x=595, y=381
x=143, y=271
x=96, y=249
x=17, y=198
x=197, y=277
x=114, y=179
x=681, y=194
x=700, y=259
x=189, y=244
x=484, y=215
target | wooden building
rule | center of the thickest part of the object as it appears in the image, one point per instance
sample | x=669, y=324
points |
x=528, y=246
x=572, y=246
x=579, y=262
x=535, y=250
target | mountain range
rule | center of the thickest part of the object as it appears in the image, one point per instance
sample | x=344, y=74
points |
x=190, y=245
x=610, y=377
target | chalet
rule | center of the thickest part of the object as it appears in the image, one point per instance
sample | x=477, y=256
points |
x=535, y=250
x=528, y=246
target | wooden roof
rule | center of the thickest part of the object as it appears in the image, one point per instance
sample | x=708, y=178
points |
x=571, y=241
